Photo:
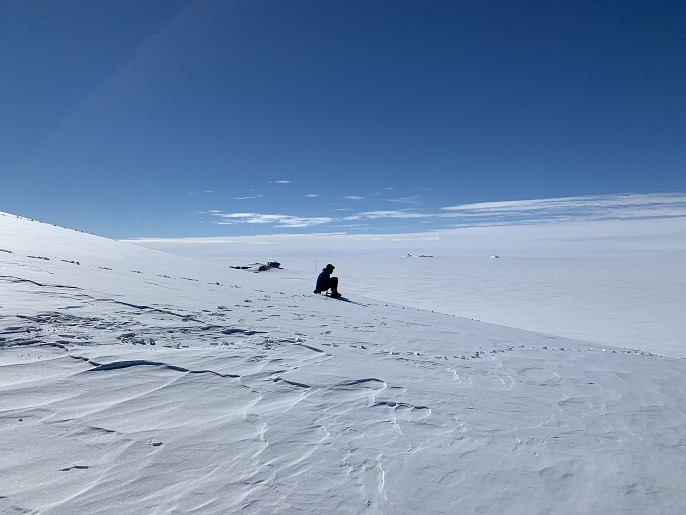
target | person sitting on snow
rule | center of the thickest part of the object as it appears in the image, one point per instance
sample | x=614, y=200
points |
x=325, y=281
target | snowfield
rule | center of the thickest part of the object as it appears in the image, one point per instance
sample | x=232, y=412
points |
x=137, y=381
x=631, y=303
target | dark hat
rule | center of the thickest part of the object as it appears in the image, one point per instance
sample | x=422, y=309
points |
x=330, y=266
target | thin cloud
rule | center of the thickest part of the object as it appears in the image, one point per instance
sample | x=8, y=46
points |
x=414, y=200
x=354, y=197
x=312, y=195
x=376, y=215
x=282, y=221
x=588, y=203
x=279, y=182
x=569, y=209
x=537, y=212
x=249, y=198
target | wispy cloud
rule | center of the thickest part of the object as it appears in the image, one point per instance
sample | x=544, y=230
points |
x=197, y=192
x=592, y=207
x=354, y=197
x=250, y=197
x=280, y=182
x=312, y=195
x=414, y=200
x=376, y=215
x=589, y=225
x=283, y=221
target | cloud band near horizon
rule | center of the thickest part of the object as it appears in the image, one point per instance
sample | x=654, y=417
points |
x=581, y=208
x=626, y=225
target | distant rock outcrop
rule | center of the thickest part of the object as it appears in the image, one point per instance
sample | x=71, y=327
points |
x=258, y=267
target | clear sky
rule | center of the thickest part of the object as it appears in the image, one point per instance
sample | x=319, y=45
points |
x=226, y=118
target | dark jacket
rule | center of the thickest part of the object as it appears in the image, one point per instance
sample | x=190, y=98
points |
x=323, y=280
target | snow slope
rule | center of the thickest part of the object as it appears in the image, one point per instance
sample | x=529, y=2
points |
x=132, y=380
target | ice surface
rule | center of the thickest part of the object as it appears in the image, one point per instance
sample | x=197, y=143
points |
x=135, y=381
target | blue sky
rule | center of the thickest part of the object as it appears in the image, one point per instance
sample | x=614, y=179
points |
x=235, y=118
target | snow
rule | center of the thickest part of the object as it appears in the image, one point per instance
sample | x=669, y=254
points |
x=631, y=303
x=140, y=381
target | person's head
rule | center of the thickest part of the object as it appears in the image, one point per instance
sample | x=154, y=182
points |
x=329, y=268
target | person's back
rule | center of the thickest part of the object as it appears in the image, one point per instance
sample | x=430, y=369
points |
x=325, y=281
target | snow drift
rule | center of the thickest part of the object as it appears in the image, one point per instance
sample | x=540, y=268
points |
x=132, y=380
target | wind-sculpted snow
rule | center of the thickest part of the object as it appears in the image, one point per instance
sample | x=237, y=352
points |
x=125, y=387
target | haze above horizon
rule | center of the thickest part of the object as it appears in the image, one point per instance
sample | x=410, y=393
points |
x=203, y=118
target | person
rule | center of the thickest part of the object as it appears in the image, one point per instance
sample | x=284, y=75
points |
x=325, y=282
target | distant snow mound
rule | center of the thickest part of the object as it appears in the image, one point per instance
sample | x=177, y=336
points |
x=494, y=256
